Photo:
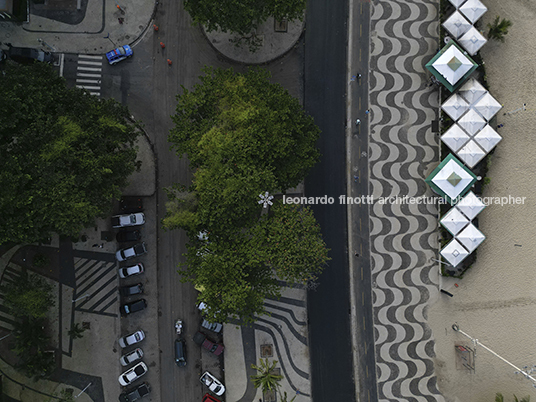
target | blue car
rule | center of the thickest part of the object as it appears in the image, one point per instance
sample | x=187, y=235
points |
x=121, y=53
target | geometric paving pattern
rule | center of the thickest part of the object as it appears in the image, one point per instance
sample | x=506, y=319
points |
x=98, y=279
x=403, y=236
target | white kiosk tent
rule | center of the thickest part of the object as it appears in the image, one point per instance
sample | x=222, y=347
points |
x=457, y=3
x=470, y=205
x=472, y=91
x=487, y=138
x=472, y=41
x=471, y=154
x=487, y=106
x=470, y=237
x=455, y=138
x=454, y=252
x=454, y=221
x=473, y=10
x=455, y=106
x=457, y=24
x=472, y=122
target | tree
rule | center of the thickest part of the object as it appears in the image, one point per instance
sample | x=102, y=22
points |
x=64, y=154
x=284, y=398
x=76, y=331
x=28, y=296
x=266, y=379
x=499, y=28
x=243, y=136
x=242, y=16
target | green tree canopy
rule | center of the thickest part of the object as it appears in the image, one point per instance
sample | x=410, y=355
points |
x=499, y=29
x=28, y=295
x=241, y=16
x=243, y=136
x=64, y=154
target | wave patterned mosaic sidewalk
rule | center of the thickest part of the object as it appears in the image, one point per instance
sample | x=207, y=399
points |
x=403, y=236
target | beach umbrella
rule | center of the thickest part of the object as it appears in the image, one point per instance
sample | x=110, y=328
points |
x=487, y=138
x=454, y=221
x=471, y=154
x=472, y=91
x=470, y=205
x=455, y=106
x=457, y=24
x=455, y=138
x=487, y=106
x=454, y=252
x=473, y=10
x=470, y=237
x=472, y=41
x=472, y=122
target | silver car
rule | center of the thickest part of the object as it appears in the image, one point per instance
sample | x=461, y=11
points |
x=131, y=357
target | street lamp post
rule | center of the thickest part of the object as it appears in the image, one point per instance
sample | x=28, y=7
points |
x=81, y=392
x=81, y=297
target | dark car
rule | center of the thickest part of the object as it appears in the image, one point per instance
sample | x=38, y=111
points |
x=135, y=393
x=132, y=307
x=202, y=340
x=25, y=55
x=180, y=352
x=123, y=237
x=130, y=205
x=131, y=252
x=131, y=290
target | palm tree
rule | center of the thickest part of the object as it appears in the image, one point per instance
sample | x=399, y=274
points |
x=499, y=398
x=284, y=397
x=499, y=29
x=76, y=331
x=265, y=377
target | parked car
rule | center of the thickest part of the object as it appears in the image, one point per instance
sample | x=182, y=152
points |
x=135, y=393
x=123, y=237
x=180, y=352
x=126, y=272
x=131, y=252
x=131, y=204
x=131, y=290
x=121, y=53
x=131, y=357
x=121, y=221
x=212, y=326
x=132, y=338
x=133, y=307
x=202, y=340
x=209, y=398
x=27, y=55
x=212, y=383
x=129, y=376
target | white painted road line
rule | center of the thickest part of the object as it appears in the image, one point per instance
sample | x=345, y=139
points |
x=88, y=56
x=88, y=81
x=89, y=75
x=95, y=93
x=91, y=63
x=87, y=87
x=89, y=68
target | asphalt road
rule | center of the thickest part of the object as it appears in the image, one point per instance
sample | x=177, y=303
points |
x=329, y=304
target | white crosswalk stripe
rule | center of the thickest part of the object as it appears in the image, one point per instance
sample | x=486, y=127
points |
x=89, y=73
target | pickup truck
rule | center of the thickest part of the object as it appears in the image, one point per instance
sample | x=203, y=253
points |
x=136, y=393
x=121, y=221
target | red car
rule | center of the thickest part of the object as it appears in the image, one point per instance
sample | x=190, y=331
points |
x=202, y=340
x=209, y=398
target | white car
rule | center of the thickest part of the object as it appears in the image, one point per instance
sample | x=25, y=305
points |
x=131, y=357
x=128, y=377
x=132, y=338
x=212, y=383
x=126, y=272
x=212, y=326
x=121, y=221
x=131, y=252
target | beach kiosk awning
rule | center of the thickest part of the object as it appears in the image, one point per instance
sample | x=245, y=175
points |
x=470, y=205
x=457, y=24
x=472, y=91
x=471, y=154
x=472, y=41
x=487, y=106
x=451, y=66
x=470, y=237
x=454, y=252
x=454, y=221
x=487, y=138
x=455, y=138
x=451, y=179
x=472, y=122
x=473, y=10
x=457, y=3
x=455, y=106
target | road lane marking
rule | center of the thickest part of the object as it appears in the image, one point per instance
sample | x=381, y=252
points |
x=89, y=68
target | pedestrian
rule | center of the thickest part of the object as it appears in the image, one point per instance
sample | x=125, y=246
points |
x=356, y=254
x=120, y=20
x=169, y=62
x=500, y=125
x=155, y=27
x=357, y=122
x=101, y=245
x=356, y=178
x=95, y=245
x=367, y=112
x=358, y=76
x=162, y=45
